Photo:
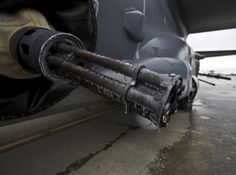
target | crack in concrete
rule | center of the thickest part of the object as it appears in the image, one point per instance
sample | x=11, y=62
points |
x=82, y=162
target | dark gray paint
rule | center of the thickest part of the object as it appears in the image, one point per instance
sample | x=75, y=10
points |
x=207, y=15
x=145, y=32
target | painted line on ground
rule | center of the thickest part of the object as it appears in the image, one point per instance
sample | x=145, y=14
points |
x=27, y=139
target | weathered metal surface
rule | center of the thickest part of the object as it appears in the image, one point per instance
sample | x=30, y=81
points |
x=149, y=102
x=143, y=75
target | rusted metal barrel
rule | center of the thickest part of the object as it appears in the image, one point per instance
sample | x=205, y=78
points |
x=140, y=99
x=139, y=73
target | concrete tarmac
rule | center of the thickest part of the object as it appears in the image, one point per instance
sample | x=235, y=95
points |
x=101, y=140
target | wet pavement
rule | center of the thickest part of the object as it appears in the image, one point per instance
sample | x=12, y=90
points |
x=209, y=147
x=200, y=142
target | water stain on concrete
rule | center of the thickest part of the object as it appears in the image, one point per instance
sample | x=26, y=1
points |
x=207, y=149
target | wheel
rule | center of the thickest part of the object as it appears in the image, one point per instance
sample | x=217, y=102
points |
x=185, y=104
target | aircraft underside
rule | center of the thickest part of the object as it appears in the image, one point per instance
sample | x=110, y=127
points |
x=131, y=52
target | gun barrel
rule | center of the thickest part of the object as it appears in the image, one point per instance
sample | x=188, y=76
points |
x=215, y=76
x=142, y=100
x=143, y=75
x=57, y=56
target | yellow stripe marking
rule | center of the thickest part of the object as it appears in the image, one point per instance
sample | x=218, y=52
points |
x=33, y=137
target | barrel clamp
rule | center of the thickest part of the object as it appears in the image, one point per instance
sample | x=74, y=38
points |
x=132, y=83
